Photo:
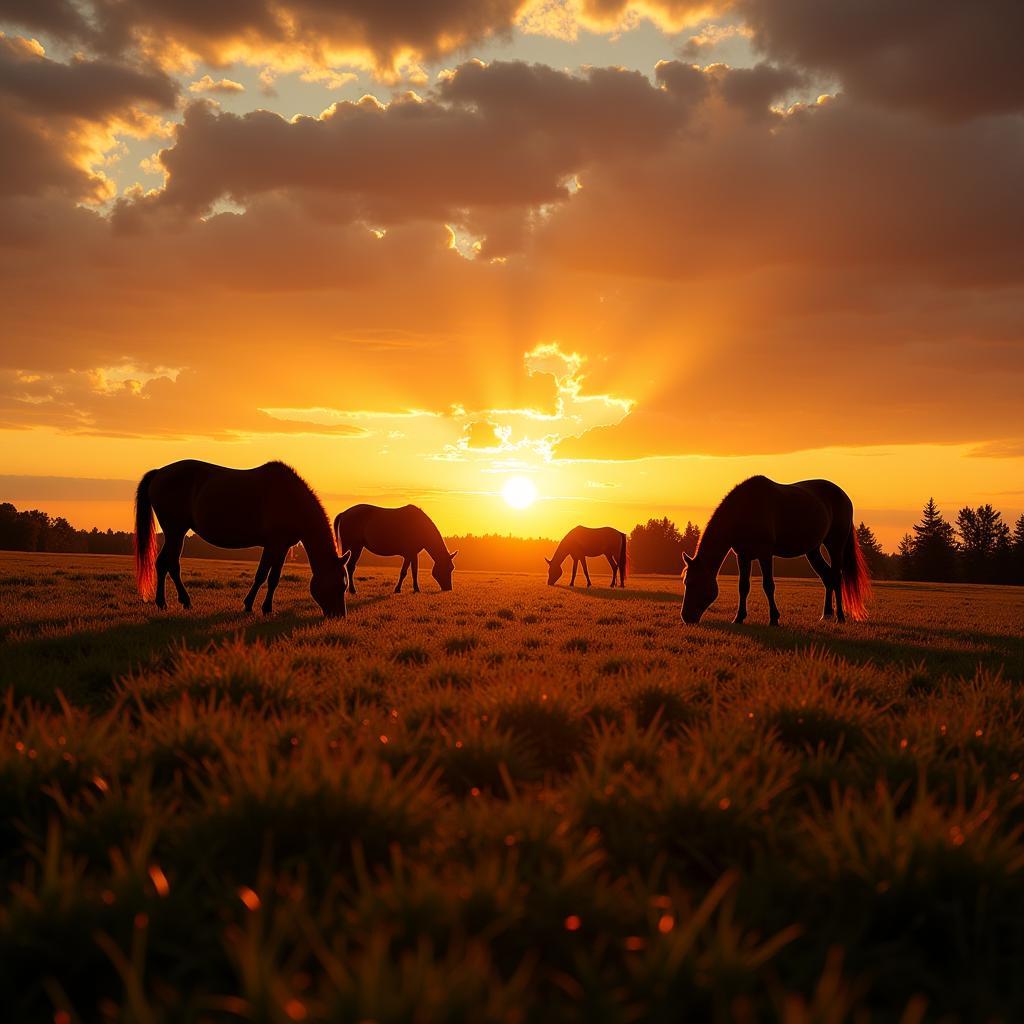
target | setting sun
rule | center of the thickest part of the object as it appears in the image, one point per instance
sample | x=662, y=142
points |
x=519, y=492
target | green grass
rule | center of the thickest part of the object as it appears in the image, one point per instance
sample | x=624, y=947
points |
x=506, y=803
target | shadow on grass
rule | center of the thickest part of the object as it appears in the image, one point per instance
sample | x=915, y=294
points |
x=85, y=665
x=628, y=594
x=941, y=658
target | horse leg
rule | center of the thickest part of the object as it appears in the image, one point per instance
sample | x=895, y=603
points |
x=277, y=564
x=741, y=610
x=416, y=573
x=168, y=563
x=261, y=574
x=835, y=556
x=401, y=575
x=768, y=582
x=575, y=569
x=824, y=571
x=615, y=567
x=353, y=558
x=586, y=572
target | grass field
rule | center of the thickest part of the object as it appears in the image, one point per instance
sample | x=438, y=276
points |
x=506, y=803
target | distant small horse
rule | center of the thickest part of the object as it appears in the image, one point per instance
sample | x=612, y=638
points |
x=583, y=541
x=402, y=531
x=759, y=519
x=270, y=507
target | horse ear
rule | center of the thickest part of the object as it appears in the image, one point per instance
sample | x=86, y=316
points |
x=688, y=559
x=452, y=554
x=345, y=557
x=548, y=560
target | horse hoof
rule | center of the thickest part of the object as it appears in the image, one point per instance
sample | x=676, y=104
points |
x=162, y=605
x=774, y=623
x=186, y=606
x=267, y=611
x=738, y=621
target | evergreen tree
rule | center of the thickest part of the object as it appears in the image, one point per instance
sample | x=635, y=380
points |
x=905, y=557
x=934, y=545
x=984, y=544
x=873, y=554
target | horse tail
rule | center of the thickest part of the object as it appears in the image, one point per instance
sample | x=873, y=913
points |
x=623, y=554
x=337, y=531
x=145, y=540
x=856, y=579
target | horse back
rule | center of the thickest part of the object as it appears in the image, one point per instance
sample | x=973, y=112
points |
x=791, y=519
x=590, y=541
x=386, y=531
x=228, y=507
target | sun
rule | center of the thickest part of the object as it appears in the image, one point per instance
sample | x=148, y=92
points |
x=519, y=492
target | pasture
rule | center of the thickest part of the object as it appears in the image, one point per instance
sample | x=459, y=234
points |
x=506, y=803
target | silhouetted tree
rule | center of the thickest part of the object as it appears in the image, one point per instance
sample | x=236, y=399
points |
x=934, y=551
x=985, y=545
x=905, y=557
x=877, y=559
x=691, y=538
x=1017, y=551
x=657, y=546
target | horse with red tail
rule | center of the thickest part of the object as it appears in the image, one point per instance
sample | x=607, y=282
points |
x=759, y=519
x=270, y=507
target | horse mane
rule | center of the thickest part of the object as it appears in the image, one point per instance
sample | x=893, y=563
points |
x=309, y=497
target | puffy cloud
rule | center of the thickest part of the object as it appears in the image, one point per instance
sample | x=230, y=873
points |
x=946, y=57
x=208, y=84
x=485, y=435
x=57, y=119
x=493, y=136
x=284, y=32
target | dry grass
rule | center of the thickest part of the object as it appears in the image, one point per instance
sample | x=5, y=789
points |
x=508, y=803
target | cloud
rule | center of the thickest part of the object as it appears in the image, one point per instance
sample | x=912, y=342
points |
x=287, y=33
x=225, y=86
x=57, y=120
x=505, y=134
x=943, y=57
x=725, y=271
x=485, y=435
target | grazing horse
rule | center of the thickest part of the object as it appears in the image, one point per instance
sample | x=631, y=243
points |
x=270, y=507
x=582, y=541
x=404, y=531
x=759, y=519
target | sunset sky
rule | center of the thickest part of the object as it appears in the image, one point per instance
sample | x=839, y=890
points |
x=630, y=252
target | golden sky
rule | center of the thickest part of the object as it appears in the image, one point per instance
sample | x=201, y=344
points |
x=631, y=252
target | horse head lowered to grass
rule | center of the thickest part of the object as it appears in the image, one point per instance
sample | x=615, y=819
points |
x=760, y=519
x=270, y=507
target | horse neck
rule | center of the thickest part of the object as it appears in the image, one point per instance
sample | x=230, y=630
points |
x=434, y=543
x=318, y=540
x=716, y=542
x=561, y=552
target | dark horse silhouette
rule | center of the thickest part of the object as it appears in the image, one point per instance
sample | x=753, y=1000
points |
x=270, y=507
x=759, y=519
x=404, y=531
x=583, y=541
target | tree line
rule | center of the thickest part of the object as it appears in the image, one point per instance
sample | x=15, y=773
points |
x=977, y=547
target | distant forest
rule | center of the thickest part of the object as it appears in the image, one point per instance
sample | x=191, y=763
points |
x=977, y=547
